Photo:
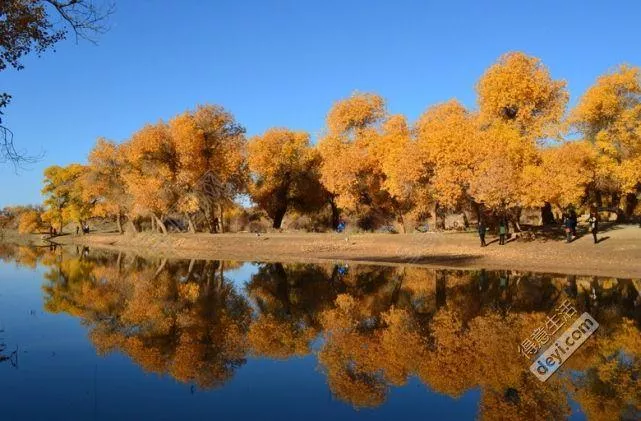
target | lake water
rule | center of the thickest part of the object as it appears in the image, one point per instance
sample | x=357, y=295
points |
x=91, y=335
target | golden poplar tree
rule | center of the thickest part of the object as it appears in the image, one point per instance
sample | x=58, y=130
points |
x=64, y=195
x=104, y=184
x=151, y=172
x=609, y=117
x=285, y=173
x=211, y=151
x=352, y=169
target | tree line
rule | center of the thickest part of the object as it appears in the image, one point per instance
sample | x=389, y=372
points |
x=521, y=148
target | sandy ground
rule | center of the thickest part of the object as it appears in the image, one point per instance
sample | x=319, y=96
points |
x=618, y=254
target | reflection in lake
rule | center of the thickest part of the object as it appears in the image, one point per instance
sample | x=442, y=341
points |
x=369, y=329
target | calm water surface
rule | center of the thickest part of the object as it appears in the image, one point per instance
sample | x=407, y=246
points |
x=90, y=335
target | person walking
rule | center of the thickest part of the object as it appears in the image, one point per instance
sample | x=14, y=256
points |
x=482, y=230
x=502, y=232
x=594, y=225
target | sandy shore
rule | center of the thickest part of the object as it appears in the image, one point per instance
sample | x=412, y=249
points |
x=618, y=254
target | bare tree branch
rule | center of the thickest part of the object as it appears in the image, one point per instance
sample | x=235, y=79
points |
x=9, y=153
x=85, y=18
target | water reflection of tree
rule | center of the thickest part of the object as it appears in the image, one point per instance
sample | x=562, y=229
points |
x=454, y=330
x=185, y=321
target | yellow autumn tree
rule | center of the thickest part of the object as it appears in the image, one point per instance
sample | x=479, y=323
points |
x=443, y=157
x=151, y=171
x=210, y=149
x=392, y=152
x=104, y=184
x=609, y=116
x=29, y=222
x=520, y=106
x=352, y=170
x=285, y=173
x=64, y=195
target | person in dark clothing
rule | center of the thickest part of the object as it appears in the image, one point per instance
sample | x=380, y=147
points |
x=594, y=226
x=567, y=223
x=482, y=229
x=502, y=232
x=574, y=221
x=77, y=230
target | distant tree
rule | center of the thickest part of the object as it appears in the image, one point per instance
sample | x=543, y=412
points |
x=29, y=222
x=103, y=181
x=64, y=195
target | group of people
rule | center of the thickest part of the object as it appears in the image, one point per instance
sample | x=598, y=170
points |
x=483, y=230
x=570, y=223
x=84, y=227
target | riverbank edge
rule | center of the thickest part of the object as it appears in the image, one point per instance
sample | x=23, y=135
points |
x=331, y=248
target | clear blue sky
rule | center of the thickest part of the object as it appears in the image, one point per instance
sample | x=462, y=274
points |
x=283, y=63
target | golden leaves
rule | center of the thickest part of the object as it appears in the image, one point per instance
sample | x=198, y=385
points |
x=29, y=222
x=609, y=116
x=285, y=172
x=355, y=113
x=519, y=89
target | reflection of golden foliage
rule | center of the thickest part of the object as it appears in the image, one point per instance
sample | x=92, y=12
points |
x=527, y=399
x=189, y=322
x=27, y=256
x=281, y=339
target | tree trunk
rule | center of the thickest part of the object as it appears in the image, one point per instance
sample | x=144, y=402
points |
x=441, y=288
x=221, y=218
x=630, y=204
x=402, y=220
x=119, y=222
x=190, y=221
x=437, y=223
x=153, y=224
x=133, y=225
x=336, y=216
x=222, y=275
x=210, y=219
x=547, y=216
x=163, y=263
x=278, y=217
x=161, y=225
x=119, y=262
x=477, y=211
x=516, y=221
x=192, y=262
x=599, y=199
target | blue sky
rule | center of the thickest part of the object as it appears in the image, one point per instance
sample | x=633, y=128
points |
x=284, y=62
